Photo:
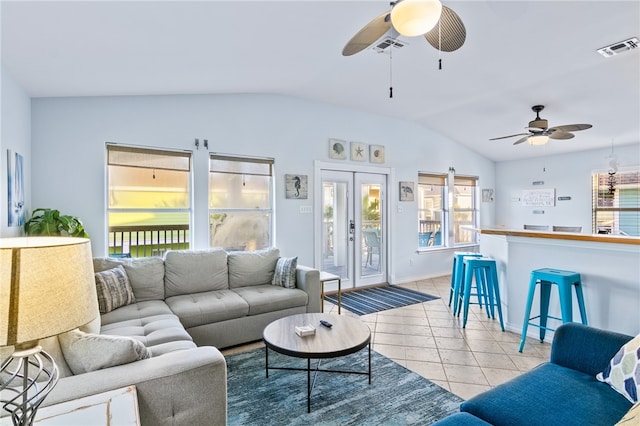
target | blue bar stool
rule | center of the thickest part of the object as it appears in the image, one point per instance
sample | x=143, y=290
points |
x=457, y=276
x=486, y=276
x=564, y=280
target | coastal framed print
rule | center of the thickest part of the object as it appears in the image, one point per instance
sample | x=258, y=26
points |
x=376, y=153
x=359, y=151
x=406, y=191
x=296, y=186
x=337, y=149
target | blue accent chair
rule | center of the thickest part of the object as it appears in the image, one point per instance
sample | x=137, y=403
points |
x=563, y=391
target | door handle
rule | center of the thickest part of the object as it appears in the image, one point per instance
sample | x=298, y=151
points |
x=352, y=230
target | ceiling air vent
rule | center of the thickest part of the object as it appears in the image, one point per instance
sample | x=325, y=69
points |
x=619, y=47
x=387, y=42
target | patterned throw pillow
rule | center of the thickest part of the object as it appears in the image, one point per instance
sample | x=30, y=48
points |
x=285, y=272
x=623, y=371
x=114, y=289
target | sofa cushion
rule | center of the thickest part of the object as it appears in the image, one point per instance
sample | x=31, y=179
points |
x=195, y=271
x=623, y=371
x=86, y=352
x=208, y=307
x=285, y=272
x=113, y=289
x=549, y=395
x=150, y=331
x=135, y=311
x=146, y=275
x=270, y=298
x=248, y=268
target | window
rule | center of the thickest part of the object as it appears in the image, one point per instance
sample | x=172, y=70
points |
x=431, y=196
x=240, y=202
x=616, y=203
x=435, y=217
x=149, y=200
x=465, y=211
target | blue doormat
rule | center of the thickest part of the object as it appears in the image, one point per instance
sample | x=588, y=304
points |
x=376, y=299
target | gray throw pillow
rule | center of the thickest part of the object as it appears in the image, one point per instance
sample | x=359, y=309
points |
x=285, y=272
x=86, y=352
x=113, y=289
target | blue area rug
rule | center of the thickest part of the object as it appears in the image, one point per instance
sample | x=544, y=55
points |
x=376, y=299
x=396, y=396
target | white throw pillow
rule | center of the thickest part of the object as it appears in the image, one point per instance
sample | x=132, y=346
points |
x=285, y=272
x=623, y=371
x=86, y=352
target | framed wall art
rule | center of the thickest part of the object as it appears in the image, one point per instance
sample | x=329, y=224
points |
x=296, y=186
x=376, y=153
x=543, y=197
x=15, y=189
x=359, y=151
x=406, y=191
x=337, y=149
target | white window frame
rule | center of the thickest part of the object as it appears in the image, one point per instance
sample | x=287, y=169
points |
x=448, y=222
x=270, y=162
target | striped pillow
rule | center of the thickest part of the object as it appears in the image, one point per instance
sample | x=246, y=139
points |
x=285, y=272
x=114, y=289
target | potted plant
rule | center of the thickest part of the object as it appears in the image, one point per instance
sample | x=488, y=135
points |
x=51, y=222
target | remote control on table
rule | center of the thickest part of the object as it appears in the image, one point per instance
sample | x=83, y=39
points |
x=326, y=323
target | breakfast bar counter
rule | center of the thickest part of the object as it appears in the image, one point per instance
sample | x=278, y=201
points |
x=609, y=266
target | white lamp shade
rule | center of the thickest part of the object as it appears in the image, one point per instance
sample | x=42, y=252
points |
x=47, y=287
x=415, y=17
x=538, y=139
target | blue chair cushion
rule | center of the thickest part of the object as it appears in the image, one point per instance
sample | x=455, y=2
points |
x=461, y=419
x=549, y=395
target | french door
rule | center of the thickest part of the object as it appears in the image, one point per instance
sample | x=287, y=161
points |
x=354, y=230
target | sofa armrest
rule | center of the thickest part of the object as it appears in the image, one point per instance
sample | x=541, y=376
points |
x=583, y=348
x=308, y=279
x=181, y=387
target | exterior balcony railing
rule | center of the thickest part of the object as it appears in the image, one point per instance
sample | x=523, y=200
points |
x=146, y=241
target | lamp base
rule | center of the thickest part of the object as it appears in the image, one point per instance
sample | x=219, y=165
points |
x=21, y=394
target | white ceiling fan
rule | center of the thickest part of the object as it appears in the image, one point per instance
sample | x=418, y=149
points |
x=440, y=25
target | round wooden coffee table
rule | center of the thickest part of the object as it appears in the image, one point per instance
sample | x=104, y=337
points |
x=347, y=336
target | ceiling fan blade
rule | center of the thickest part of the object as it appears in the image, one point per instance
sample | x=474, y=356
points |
x=561, y=135
x=451, y=35
x=367, y=35
x=572, y=127
x=510, y=136
x=521, y=140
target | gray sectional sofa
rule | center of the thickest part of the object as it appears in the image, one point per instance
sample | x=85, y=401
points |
x=183, y=308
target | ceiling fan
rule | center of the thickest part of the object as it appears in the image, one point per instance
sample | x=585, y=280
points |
x=440, y=25
x=540, y=132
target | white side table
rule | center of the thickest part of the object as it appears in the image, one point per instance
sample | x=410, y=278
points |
x=116, y=408
x=326, y=277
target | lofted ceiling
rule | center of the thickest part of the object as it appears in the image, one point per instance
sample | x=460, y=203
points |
x=517, y=54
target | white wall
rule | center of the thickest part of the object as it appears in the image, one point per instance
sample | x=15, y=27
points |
x=569, y=174
x=15, y=124
x=68, y=164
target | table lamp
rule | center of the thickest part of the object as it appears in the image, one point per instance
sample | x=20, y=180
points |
x=47, y=287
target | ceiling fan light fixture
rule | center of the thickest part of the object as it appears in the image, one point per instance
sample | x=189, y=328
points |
x=538, y=139
x=415, y=17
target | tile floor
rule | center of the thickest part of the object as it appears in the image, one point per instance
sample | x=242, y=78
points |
x=428, y=340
